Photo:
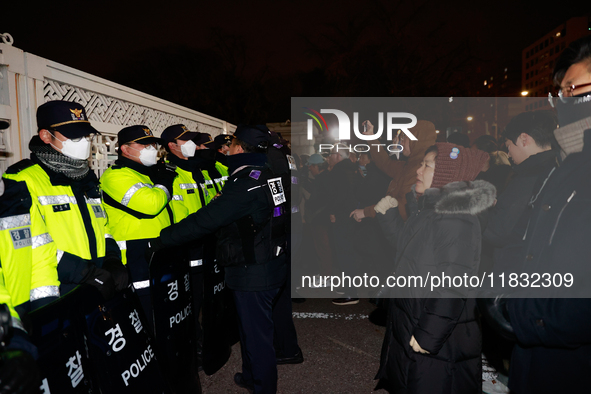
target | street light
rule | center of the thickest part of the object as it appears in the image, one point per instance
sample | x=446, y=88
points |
x=524, y=93
x=469, y=118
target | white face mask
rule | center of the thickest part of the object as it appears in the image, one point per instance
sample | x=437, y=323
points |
x=75, y=149
x=188, y=149
x=149, y=156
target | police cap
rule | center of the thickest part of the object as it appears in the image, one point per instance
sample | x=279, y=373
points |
x=177, y=132
x=203, y=139
x=253, y=135
x=139, y=134
x=67, y=117
x=221, y=140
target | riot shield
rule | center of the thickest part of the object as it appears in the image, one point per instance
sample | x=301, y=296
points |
x=219, y=318
x=174, y=324
x=57, y=330
x=121, y=349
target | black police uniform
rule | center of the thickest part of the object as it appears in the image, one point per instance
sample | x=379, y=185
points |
x=283, y=164
x=252, y=241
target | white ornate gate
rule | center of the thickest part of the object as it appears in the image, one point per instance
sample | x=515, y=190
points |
x=27, y=81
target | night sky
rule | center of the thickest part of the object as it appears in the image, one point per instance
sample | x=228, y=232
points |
x=276, y=49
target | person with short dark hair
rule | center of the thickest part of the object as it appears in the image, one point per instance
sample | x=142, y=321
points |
x=529, y=138
x=553, y=335
x=507, y=220
x=530, y=133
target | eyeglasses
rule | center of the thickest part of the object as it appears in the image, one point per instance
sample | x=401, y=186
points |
x=565, y=92
x=89, y=138
x=153, y=145
x=568, y=91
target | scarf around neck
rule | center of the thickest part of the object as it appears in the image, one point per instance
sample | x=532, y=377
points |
x=58, y=162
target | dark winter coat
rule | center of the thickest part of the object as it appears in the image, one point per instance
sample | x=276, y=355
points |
x=507, y=220
x=318, y=205
x=244, y=194
x=343, y=183
x=441, y=235
x=553, y=352
x=373, y=186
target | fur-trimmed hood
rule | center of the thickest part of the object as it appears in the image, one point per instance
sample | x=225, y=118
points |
x=463, y=197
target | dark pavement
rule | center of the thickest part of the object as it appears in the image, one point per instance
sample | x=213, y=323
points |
x=341, y=352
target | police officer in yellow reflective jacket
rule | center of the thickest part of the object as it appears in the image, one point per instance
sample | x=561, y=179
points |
x=20, y=228
x=54, y=196
x=137, y=191
x=190, y=193
x=205, y=156
x=189, y=187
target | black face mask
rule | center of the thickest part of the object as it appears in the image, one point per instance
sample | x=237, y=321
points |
x=573, y=109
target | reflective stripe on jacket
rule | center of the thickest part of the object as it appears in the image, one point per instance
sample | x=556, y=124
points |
x=187, y=194
x=144, y=203
x=64, y=214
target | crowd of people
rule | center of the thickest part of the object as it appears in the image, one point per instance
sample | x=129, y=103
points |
x=513, y=205
x=233, y=204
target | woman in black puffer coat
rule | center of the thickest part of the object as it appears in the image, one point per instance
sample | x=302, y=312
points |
x=433, y=341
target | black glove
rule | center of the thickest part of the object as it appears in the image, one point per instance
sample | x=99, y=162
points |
x=99, y=278
x=5, y=327
x=118, y=271
x=496, y=314
x=164, y=174
x=154, y=246
x=18, y=373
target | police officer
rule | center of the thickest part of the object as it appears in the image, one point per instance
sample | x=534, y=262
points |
x=136, y=192
x=189, y=190
x=221, y=144
x=282, y=164
x=54, y=196
x=18, y=372
x=190, y=193
x=250, y=216
x=205, y=156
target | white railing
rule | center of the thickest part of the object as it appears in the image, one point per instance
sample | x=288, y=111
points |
x=27, y=81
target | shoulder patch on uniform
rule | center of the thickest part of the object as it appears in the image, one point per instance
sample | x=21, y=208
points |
x=255, y=174
x=276, y=188
x=21, y=165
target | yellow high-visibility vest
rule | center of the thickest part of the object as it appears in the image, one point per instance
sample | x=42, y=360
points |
x=135, y=206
